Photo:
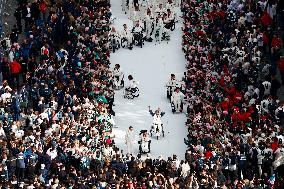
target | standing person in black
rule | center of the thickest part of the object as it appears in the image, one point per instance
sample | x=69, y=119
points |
x=18, y=15
x=14, y=35
x=35, y=11
x=136, y=4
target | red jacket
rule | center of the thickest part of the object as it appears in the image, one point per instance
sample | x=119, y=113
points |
x=274, y=146
x=276, y=42
x=15, y=67
x=266, y=20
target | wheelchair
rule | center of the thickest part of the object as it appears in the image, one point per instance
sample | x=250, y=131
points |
x=114, y=44
x=165, y=35
x=170, y=90
x=118, y=83
x=157, y=130
x=131, y=93
x=124, y=43
x=144, y=142
x=171, y=25
x=173, y=105
x=138, y=39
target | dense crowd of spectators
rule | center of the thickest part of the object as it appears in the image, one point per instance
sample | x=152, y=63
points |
x=235, y=118
x=57, y=97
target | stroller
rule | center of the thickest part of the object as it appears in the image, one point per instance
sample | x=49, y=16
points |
x=130, y=93
x=158, y=130
x=144, y=143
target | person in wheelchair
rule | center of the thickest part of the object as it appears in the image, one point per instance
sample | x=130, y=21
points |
x=114, y=38
x=137, y=31
x=169, y=20
x=171, y=85
x=126, y=37
x=144, y=142
x=114, y=34
x=131, y=90
x=132, y=84
x=118, y=76
x=157, y=126
x=160, y=11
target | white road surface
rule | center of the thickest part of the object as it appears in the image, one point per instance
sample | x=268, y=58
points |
x=151, y=66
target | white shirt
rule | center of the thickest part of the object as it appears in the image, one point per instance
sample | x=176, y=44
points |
x=267, y=87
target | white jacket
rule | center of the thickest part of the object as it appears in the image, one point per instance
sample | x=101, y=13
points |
x=169, y=18
x=117, y=72
x=159, y=11
x=177, y=96
x=129, y=137
x=125, y=33
x=137, y=29
x=157, y=119
x=171, y=83
x=132, y=84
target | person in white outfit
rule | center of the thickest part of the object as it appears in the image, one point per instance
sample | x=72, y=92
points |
x=185, y=168
x=159, y=28
x=160, y=11
x=149, y=23
x=144, y=4
x=130, y=8
x=137, y=31
x=124, y=6
x=130, y=140
x=170, y=5
x=169, y=18
x=125, y=33
x=135, y=16
x=132, y=83
x=177, y=99
x=113, y=34
x=118, y=75
x=157, y=122
x=171, y=85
